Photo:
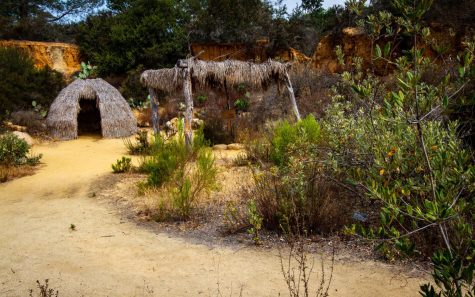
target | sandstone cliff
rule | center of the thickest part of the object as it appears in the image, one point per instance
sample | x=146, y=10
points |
x=239, y=51
x=62, y=57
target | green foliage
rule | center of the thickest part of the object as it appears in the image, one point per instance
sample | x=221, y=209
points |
x=241, y=104
x=122, y=165
x=142, y=146
x=390, y=143
x=39, y=109
x=285, y=135
x=87, y=71
x=201, y=99
x=136, y=32
x=192, y=181
x=290, y=190
x=452, y=275
x=140, y=104
x=43, y=20
x=230, y=21
x=185, y=175
x=21, y=82
x=165, y=160
x=133, y=91
x=255, y=220
x=14, y=151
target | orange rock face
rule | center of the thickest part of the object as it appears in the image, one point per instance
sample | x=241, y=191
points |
x=223, y=51
x=62, y=57
x=354, y=43
x=242, y=52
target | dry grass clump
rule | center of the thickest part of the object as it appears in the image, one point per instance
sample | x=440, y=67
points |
x=44, y=290
x=8, y=173
x=30, y=119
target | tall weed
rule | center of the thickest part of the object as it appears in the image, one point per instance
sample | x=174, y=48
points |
x=185, y=174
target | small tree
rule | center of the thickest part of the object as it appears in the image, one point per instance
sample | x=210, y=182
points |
x=396, y=146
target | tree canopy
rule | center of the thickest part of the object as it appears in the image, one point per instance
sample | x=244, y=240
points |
x=36, y=19
x=135, y=32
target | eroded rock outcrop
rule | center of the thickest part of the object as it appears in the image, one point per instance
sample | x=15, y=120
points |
x=354, y=43
x=62, y=57
x=243, y=52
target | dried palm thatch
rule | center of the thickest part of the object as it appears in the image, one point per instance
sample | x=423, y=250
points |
x=117, y=119
x=166, y=79
x=209, y=74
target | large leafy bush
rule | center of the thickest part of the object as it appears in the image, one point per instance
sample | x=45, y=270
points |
x=14, y=151
x=133, y=33
x=392, y=143
x=291, y=193
x=21, y=83
x=182, y=174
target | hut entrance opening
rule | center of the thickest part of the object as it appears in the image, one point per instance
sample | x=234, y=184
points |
x=89, y=117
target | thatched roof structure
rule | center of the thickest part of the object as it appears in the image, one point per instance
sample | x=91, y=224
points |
x=211, y=74
x=116, y=116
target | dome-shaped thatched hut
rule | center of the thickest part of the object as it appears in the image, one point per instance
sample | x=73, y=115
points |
x=90, y=105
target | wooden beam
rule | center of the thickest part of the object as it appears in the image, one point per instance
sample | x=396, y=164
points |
x=187, y=93
x=292, y=96
x=155, y=116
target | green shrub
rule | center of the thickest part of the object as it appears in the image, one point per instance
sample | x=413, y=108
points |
x=193, y=180
x=201, y=99
x=286, y=134
x=122, y=165
x=87, y=71
x=22, y=83
x=142, y=145
x=133, y=90
x=241, y=104
x=291, y=191
x=14, y=151
x=389, y=143
x=165, y=159
x=184, y=174
x=255, y=220
x=128, y=39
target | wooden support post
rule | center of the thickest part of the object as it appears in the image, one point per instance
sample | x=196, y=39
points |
x=155, y=116
x=187, y=92
x=292, y=96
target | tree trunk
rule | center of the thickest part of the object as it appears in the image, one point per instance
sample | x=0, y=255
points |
x=187, y=92
x=292, y=97
x=155, y=116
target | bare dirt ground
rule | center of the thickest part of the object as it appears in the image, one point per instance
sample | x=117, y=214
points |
x=110, y=255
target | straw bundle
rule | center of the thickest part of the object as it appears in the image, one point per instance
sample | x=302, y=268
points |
x=166, y=79
x=208, y=74
x=117, y=119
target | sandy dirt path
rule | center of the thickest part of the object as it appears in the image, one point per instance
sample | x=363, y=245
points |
x=111, y=256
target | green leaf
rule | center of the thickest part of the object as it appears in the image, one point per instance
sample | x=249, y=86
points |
x=462, y=71
x=33, y=103
x=378, y=51
x=445, y=101
x=387, y=49
x=403, y=84
x=425, y=32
